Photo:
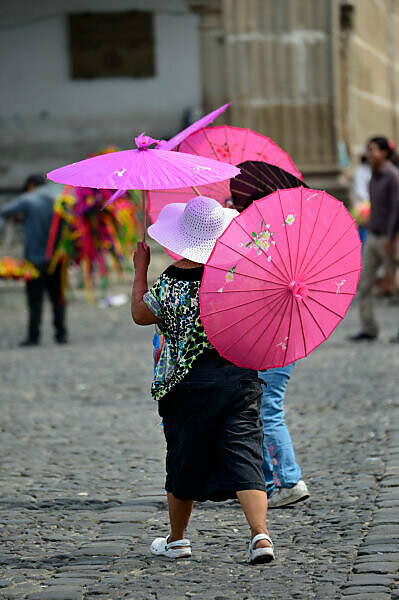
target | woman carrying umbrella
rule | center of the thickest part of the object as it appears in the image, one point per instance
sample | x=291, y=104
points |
x=210, y=407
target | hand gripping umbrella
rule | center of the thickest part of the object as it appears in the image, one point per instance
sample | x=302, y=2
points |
x=143, y=168
x=280, y=278
x=231, y=145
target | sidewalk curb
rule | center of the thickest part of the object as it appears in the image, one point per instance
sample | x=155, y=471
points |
x=375, y=568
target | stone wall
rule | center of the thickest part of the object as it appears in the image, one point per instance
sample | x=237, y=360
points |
x=370, y=50
x=308, y=73
x=275, y=62
x=47, y=118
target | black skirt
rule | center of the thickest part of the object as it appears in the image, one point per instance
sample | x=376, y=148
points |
x=213, y=431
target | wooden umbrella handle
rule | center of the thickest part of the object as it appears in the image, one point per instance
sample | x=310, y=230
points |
x=143, y=213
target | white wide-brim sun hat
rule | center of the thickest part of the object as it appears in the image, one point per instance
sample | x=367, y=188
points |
x=191, y=230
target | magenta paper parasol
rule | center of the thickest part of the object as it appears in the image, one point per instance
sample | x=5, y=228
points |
x=280, y=278
x=228, y=144
x=143, y=169
x=179, y=137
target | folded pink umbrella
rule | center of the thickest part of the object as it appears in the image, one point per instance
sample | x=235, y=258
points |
x=231, y=145
x=280, y=278
x=179, y=137
x=200, y=124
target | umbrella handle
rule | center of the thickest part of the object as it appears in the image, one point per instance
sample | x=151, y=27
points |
x=195, y=190
x=143, y=213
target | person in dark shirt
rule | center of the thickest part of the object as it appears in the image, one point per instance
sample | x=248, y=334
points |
x=383, y=225
x=35, y=206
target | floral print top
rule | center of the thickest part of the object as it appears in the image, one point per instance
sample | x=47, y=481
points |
x=174, y=300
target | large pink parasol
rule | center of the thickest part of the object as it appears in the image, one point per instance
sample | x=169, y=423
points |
x=179, y=137
x=231, y=145
x=143, y=169
x=280, y=278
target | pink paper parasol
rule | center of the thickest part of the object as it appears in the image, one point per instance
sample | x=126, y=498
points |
x=179, y=137
x=142, y=169
x=231, y=145
x=280, y=278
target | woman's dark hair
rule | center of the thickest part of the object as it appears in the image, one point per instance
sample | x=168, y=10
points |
x=382, y=143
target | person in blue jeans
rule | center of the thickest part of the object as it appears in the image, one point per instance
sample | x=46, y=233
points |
x=284, y=483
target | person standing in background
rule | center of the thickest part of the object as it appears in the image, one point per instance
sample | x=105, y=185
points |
x=395, y=284
x=284, y=483
x=383, y=226
x=35, y=207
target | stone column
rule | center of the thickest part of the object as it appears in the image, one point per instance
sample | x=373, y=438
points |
x=370, y=57
x=278, y=65
x=212, y=51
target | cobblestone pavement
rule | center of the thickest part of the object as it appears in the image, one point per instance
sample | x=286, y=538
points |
x=82, y=473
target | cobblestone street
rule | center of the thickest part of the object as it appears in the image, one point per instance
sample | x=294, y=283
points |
x=83, y=464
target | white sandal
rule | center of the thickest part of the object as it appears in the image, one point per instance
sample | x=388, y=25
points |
x=178, y=549
x=257, y=556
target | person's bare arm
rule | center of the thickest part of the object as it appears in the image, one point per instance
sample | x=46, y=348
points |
x=141, y=314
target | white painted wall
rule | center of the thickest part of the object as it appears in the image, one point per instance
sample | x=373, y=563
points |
x=47, y=119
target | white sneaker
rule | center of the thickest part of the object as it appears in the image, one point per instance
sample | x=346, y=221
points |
x=285, y=496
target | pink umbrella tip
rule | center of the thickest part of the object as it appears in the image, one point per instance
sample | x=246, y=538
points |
x=143, y=141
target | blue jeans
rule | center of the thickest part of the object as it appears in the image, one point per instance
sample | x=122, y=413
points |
x=279, y=464
x=362, y=234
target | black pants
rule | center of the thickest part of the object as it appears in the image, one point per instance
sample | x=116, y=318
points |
x=34, y=292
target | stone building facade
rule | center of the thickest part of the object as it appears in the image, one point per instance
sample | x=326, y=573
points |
x=317, y=76
x=54, y=111
x=369, y=71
